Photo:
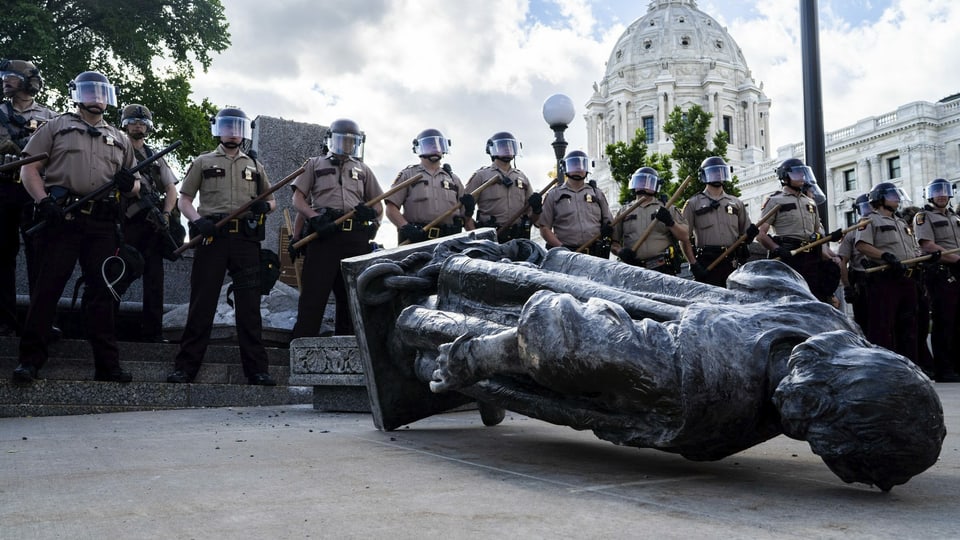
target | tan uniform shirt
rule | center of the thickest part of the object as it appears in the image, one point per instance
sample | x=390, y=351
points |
x=82, y=157
x=340, y=187
x=32, y=118
x=888, y=234
x=797, y=218
x=575, y=216
x=498, y=201
x=632, y=227
x=429, y=197
x=942, y=229
x=717, y=222
x=224, y=183
x=848, y=250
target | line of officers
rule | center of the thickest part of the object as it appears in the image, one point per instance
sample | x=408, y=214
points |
x=85, y=153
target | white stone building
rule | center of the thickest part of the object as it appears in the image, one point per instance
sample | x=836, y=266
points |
x=677, y=55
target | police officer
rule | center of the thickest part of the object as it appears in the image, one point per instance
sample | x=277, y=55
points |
x=851, y=267
x=331, y=186
x=501, y=201
x=224, y=180
x=85, y=153
x=937, y=228
x=717, y=219
x=660, y=251
x=891, y=293
x=20, y=116
x=437, y=191
x=797, y=223
x=148, y=217
x=576, y=211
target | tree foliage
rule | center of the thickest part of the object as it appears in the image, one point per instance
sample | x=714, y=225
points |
x=688, y=131
x=147, y=48
x=625, y=159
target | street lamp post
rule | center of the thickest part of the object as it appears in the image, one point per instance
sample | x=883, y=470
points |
x=558, y=113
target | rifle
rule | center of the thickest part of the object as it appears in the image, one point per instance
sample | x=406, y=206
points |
x=523, y=210
x=29, y=159
x=653, y=222
x=376, y=200
x=743, y=238
x=910, y=262
x=826, y=238
x=95, y=194
x=240, y=211
x=457, y=206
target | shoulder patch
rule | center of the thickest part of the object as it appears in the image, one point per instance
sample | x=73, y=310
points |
x=920, y=218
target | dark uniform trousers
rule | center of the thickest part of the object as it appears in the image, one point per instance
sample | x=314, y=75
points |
x=149, y=242
x=944, y=289
x=15, y=210
x=233, y=253
x=861, y=309
x=893, y=308
x=321, y=274
x=91, y=241
x=718, y=276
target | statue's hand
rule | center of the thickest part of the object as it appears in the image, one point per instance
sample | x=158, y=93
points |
x=454, y=368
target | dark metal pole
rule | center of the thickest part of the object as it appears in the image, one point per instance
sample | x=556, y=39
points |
x=813, y=100
x=559, y=149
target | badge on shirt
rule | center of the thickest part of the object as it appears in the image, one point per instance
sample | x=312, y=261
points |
x=446, y=184
x=811, y=208
x=520, y=184
x=920, y=218
x=355, y=173
x=730, y=209
x=33, y=124
x=247, y=174
x=110, y=140
x=588, y=198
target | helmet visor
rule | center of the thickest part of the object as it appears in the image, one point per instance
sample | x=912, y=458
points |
x=802, y=172
x=504, y=147
x=431, y=146
x=346, y=144
x=814, y=192
x=645, y=182
x=897, y=195
x=716, y=174
x=231, y=126
x=939, y=189
x=143, y=121
x=577, y=165
x=864, y=208
x=94, y=92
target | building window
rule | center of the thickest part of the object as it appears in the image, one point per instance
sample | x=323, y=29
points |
x=851, y=217
x=648, y=128
x=893, y=167
x=728, y=127
x=685, y=40
x=850, y=180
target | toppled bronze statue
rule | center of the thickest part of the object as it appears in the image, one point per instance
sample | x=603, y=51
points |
x=639, y=357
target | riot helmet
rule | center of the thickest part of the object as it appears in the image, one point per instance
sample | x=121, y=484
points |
x=576, y=165
x=503, y=146
x=20, y=75
x=231, y=122
x=886, y=192
x=862, y=205
x=792, y=170
x=645, y=181
x=92, y=87
x=714, y=171
x=344, y=138
x=431, y=144
x=939, y=188
x=136, y=114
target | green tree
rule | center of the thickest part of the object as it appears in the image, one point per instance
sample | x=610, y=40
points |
x=688, y=131
x=147, y=48
x=625, y=159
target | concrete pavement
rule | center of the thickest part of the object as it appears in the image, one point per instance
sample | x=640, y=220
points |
x=291, y=472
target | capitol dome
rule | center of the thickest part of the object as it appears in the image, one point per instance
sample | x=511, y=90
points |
x=678, y=56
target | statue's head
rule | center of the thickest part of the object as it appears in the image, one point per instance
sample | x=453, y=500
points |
x=869, y=413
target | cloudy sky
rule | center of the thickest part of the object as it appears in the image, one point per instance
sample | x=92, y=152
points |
x=474, y=67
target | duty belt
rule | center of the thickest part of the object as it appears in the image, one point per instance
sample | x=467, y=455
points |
x=440, y=230
x=106, y=208
x=655, y=261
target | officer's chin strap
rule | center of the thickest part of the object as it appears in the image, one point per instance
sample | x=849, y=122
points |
x=106, y=280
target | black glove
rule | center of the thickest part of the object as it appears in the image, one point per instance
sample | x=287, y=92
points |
x=260, y=208
x=782, y=253
x=50, y=211
x=849, y=294
x=836, y=235
x=699, y=272
x=606, y=230
x=752, y=232
x=364, y=213
x=894, y=264
x=469, y=205
x=934, y=257
x=124, y=180
x=628, y=256
x=293, y=252
x=536, y=203
x=412, y=233
x=204, y=226
x=663, y=215
x=322, y=226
